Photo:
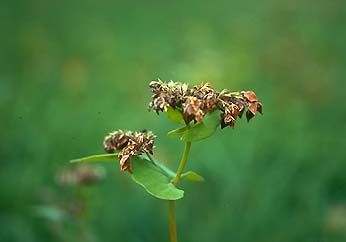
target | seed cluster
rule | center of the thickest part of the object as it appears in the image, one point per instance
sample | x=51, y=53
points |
x=129, y=143
x=196, y=102
x=80, y=175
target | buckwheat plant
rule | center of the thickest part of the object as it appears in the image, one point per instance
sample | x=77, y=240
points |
x=200, y=110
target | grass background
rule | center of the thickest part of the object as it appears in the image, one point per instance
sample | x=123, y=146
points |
x=71, y=71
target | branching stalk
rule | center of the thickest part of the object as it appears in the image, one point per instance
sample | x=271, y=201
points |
x=182, y=163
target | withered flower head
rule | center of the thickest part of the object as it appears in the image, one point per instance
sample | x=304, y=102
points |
x=194, y=103
x=80, y=175
x=166, y=95
x=253, y=104
x=129, y=143
x=116, y=140
x=208, y=96
x=192, y=109
x=233, y=105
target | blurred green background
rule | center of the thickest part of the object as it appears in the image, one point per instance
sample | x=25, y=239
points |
x=72, y=71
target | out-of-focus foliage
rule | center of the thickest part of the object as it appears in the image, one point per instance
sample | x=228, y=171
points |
x=72, y=71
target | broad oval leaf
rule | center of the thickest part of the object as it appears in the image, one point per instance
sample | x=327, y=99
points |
x=203, y=129
x=175, y=115
x=152, y=179
x=102, y=157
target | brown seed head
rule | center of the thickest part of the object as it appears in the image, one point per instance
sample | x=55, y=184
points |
x=116, y=140
x=129, y=143
x=197, y=101
x=80, y=175
x=192, y=109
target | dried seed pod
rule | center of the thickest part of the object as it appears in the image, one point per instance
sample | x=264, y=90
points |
x=252, y=103
x=125, y=161
x=250, y=96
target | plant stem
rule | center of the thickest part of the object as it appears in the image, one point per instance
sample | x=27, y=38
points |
x=172, y=223
x=182, y=163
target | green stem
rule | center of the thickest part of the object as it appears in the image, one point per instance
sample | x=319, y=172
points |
x=172, y=223
x=182, y=163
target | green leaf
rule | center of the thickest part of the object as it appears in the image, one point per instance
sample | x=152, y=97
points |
x=178, y=132
x=102, y=157
x=153, y=180
x=168, y=172
x=203, y=129
x=192, y=176
x=175, y=115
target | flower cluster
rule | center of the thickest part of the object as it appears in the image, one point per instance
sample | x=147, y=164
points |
x=194, y=103
x=233, y=105
x=129, y=143
x=80, y=175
